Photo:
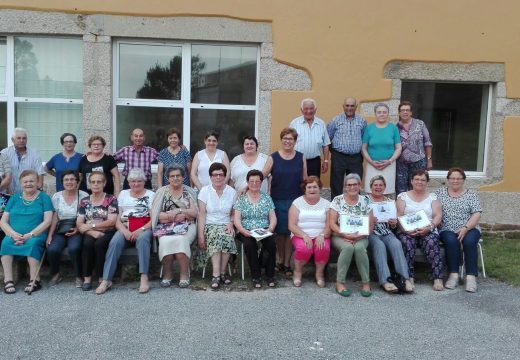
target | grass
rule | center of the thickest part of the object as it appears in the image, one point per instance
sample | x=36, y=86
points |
x=502, y=258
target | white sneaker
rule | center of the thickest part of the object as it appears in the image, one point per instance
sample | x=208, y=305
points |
x=453, y=281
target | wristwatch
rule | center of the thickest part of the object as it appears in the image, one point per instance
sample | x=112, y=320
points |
x=143, y=229
x=93, y=225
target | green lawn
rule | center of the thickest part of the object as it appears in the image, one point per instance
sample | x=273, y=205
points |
x=502, y=258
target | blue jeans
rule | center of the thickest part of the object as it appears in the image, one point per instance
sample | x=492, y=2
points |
x=59, y=242
x=469, y=246
x=380, y=245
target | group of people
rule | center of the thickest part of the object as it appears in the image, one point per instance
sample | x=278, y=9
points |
x=271, y=203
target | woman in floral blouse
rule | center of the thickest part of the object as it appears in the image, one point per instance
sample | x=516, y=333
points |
x=255, y=210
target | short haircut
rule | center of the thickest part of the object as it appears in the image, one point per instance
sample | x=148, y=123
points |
x=352, y=176
x=289, y=131
x=308, y=100
x=27, y=173
x=405, y=103
x=456, y=169
x=100, y=173
x=174, y=167
x=172, y=131
x=136, y=174
x=96, y=137
x=214, y=133
x=376, y=178
x=254, y=172
x=309, y=180
x=217, y=166
x=378, y=105
x=249, y=137
x=62, y=138
x=20, y=130
x=70, y=172
x=420, y=172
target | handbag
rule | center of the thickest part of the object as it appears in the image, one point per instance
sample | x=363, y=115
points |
x=135, y=223
x=171, y=229
x=65, y=225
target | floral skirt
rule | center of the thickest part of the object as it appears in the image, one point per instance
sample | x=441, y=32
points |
x=217, y=240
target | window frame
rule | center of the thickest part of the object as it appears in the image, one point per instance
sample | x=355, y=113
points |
x=185, y=101
x=470, y=174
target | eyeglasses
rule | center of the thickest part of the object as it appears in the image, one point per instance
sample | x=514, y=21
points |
x=254, y=181
x=288, y=138
x=405, y=110
x=218, y=175
x=456, y=178
x=96, y=144
x=175, y=176
x=68, y=142
x=352, y=185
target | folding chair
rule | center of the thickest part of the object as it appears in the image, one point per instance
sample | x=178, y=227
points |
x=481, y=253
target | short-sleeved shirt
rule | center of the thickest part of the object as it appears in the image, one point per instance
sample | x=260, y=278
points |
x=456, y=211
x=134, y=207
x=59, y=163
x=361, y=208
x=412, y=206
x=64, y=210
x=254, y=215
x=137, y=159
x=105, y=165
x=381, y=141
x=98, y=213
x=31, y=160
x=413, y=141
x=218, y=208
x=183, y=157
x=346, y=135
x=239, y=170
x=312, y=218
x=311, y=139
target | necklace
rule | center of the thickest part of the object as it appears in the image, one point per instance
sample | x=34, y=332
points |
x=30, y=200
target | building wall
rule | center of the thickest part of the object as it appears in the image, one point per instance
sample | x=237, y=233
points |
x=308, y=49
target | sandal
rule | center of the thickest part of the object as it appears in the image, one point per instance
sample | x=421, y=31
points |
x=37, y=286
x=215, y=282
x=144, y=289
x=184, y=283
x=103, y=287
x=280, y=267
x=165, y=283
x=9, y=287
x=390, y=288
x=257, y=283
x=225, y=278
x=271, y=283
x=320, y=282
x=288, y=271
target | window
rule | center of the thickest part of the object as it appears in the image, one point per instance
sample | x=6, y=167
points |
x=193, y=87
x=456, y=115
x=42, y=82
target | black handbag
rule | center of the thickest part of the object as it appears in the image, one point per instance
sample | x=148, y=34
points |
x=66, y=225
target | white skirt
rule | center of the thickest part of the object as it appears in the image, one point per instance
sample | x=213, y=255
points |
x=175, y=244
x=388, y=173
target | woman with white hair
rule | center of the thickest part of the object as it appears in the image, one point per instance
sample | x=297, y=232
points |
x=381, y=148
x=133, y=229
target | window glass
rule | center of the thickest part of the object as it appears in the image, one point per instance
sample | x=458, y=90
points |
x=456, y=116
x=150, y=71
x=223, y=74
x=3, y=125
x=3, y=63
x=153, y=121
x=47, y=122
x=48, y=67
x=233, y=125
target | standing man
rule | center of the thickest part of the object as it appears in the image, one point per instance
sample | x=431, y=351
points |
x=137, y=156
x=313, y=138
x=22, y=158
x=346, y=133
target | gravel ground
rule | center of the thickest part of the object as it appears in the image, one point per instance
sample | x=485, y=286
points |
x=62, y=322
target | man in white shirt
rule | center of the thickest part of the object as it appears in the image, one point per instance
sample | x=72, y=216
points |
x=313, y=138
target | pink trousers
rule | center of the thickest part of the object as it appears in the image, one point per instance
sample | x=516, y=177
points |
x=302, y=253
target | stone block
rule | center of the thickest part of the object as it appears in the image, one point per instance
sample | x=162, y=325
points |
x=97, y=62
x=277, y=76
x=266, y=50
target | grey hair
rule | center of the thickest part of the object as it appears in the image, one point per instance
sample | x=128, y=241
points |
x=20, y=130
x=136, y=174
x=352, y=176
x=308, y=100
x=174, y=167
x=381, y=105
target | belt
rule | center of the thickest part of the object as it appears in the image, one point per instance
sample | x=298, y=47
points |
x=352, y=155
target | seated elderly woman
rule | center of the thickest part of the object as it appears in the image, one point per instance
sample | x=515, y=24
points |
x=255, y=210
x=25, y=221
x=97, y=217
x=133, y=229
x=413, y=201
x=309, y=225
x=461, y=212
x=63, y=232
x=215, y=229
x=383, y=239
x=174, y=211
x=351, y=244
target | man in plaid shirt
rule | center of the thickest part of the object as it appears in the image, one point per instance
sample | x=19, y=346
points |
x=137, y=156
